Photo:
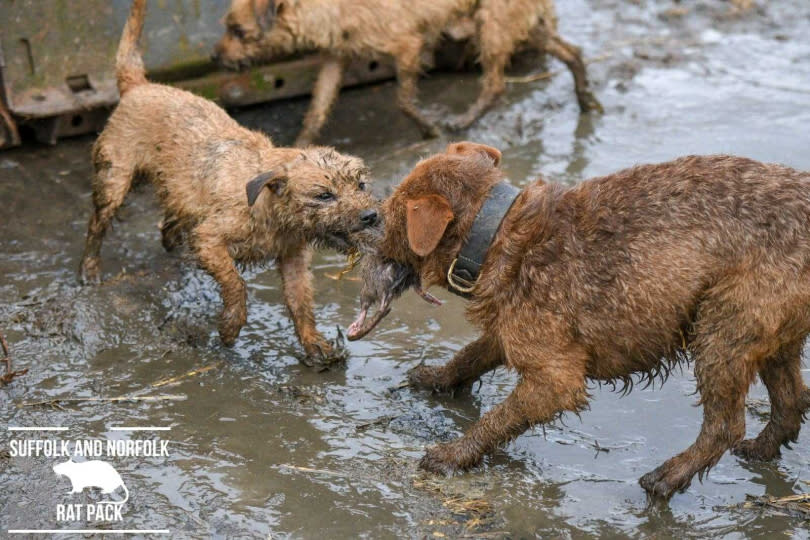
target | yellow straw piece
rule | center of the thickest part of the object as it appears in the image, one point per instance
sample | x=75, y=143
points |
x=351, y=261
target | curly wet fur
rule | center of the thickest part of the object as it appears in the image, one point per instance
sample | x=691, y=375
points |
x=627, y=275
x=200, y=160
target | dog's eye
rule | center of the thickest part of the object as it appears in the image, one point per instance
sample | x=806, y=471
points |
x=237, y=31
x=325, y=196
x=361, y=186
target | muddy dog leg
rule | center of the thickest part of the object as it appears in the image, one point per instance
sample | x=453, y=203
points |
x=324, y=95
x=542, y=394
x=408, y=65
x=571, y=56
x=110, y=186
x=477, y=358
x=789, y=400
x=297, y=283
x=212, y=254
x=728, y=350
x=722, y=393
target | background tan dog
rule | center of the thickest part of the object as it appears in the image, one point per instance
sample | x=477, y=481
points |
x=201, y=163
x=703, y=257
x=400, y=29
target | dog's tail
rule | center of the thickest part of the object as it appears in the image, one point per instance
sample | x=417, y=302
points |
x=129, y=69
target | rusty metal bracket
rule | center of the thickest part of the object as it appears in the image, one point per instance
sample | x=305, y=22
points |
x=277, y=81
x=9, y=135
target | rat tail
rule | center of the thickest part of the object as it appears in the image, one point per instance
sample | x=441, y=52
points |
x=125, y=499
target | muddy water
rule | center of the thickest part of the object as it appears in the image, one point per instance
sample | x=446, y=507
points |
x=260, y=444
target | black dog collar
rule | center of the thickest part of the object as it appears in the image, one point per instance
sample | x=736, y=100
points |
x=463, y=272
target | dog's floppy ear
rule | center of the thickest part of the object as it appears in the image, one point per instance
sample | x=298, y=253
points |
x=471, y=148
x=265, y=13
x=275, y=180
x=426, y=220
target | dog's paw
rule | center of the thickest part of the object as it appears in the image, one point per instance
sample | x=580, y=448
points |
x=431, y=131
x=228, y=337
x=321, y=352
x=754, y=450
x=90, y=271
x=589, y=103
x=318, y=349
x=230, y=324
x=660, y=486
x=440, y=459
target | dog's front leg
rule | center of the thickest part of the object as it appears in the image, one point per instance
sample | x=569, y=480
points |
x=324, y=94
x=482, y=355
x=297, y=283
x=572, y=57
x=213, y=256
x=543, y=393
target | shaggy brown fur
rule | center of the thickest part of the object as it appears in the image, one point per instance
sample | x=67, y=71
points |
x=705, y=257
x=399, y=29
x=201, y=163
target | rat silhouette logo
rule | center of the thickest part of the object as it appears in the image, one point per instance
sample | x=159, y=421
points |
x=90, y=474
x=90, y=465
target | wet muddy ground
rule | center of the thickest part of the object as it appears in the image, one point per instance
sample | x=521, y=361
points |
x=263, y=445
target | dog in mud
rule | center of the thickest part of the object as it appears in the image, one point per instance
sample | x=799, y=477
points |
x=341, y=30
x=619, y=277
x=226, y=191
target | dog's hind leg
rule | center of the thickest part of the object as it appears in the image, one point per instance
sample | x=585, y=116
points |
x=728, y=348
x=408, y=64
x=326, y=90
x=723, y=389
x=571, y=56
x=111, y=183
x=477, y=358
x=789, y=398
x=213, y=256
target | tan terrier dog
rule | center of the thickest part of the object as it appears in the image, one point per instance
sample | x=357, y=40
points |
x=259, y=30
x=210, y=175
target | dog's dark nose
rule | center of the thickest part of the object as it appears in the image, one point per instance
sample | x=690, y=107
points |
x=368, y=217
x=215, y=57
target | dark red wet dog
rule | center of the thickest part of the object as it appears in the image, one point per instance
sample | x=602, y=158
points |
x=623, y=275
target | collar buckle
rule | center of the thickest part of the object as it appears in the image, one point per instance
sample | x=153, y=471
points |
x=458, y=283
